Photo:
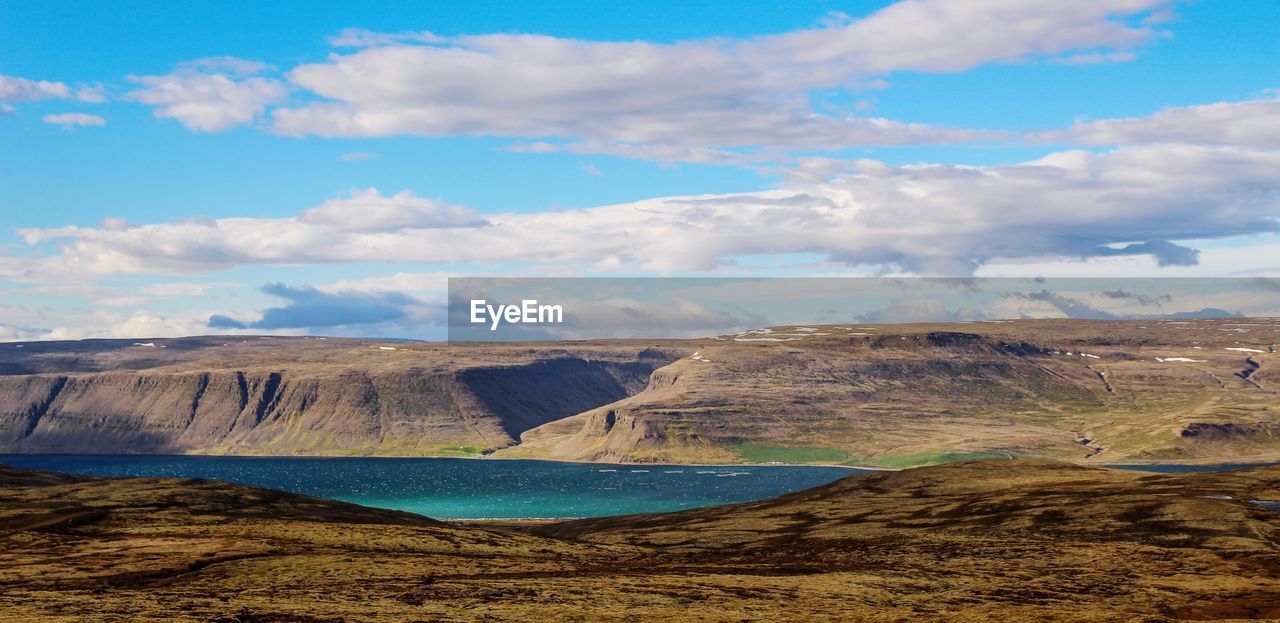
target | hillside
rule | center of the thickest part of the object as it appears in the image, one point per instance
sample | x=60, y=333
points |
x=1102, y=392
x=302, y=395
x=901, y=395
x=984, y=541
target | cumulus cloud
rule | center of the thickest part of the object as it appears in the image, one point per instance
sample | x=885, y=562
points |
x=369, y=211
x=666, y=154
x=432, y=283
x=73, y=119
x=1253, y=123
x=185, y=288
x=10, y=333
x=137, y=324
x=210, y=95
x=15, y=89
x=702, y=93
x=922, y=219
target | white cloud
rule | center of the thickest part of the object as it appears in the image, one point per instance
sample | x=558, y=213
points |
x=73, y=119
x=103, y=323
x=1253, y=123
x=925, y=219
x=140, y=324
x=122, y=301
x=186, y=288
x=92, y=94
x=701, y=93
x=432, y=282
x=369, y=211
x=15, y=89
x=10, y=333
x=361, y=38
x=667, y=154
x=210, y=95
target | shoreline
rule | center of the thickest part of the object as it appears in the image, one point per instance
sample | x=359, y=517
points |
x=1241, y=463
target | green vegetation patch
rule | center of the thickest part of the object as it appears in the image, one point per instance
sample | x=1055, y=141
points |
x=761, y=453
x=918, y=459
x=461, y=450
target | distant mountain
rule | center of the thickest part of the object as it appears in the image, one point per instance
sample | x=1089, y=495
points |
x=220, y=395
x=902, y=395
x=1091, y=391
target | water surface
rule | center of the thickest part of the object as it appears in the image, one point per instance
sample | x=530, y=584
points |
x=467, y=488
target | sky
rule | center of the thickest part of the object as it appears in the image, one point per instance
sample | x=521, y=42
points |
x=323, y=167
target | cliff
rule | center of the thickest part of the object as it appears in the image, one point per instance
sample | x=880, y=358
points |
x=304, y=396
x=1104, y=392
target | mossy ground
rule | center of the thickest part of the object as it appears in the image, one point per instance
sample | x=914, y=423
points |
x=798, y=455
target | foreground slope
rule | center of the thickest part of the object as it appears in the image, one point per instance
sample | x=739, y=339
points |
x=1100, y=392
x=985, y=541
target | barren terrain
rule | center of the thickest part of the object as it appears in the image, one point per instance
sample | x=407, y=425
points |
x=979, y=541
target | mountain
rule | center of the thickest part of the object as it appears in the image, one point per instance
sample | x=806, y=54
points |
x=975, y=541
x=216, y=395
x=1089, y=391
x=903, y=395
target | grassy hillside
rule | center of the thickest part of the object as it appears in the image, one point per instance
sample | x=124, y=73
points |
x=903, y=395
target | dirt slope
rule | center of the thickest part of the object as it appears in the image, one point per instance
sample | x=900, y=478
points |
x=986, y=541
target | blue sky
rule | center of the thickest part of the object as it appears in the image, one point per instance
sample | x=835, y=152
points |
x=163, y=163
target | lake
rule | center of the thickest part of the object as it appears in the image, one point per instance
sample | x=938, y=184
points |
x=468, y=488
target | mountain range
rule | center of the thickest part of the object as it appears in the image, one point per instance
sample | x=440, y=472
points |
x=1085, y=391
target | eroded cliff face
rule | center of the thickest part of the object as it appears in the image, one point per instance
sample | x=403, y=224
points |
x=433, y=403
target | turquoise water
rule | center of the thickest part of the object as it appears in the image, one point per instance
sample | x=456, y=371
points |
x=467, y=488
